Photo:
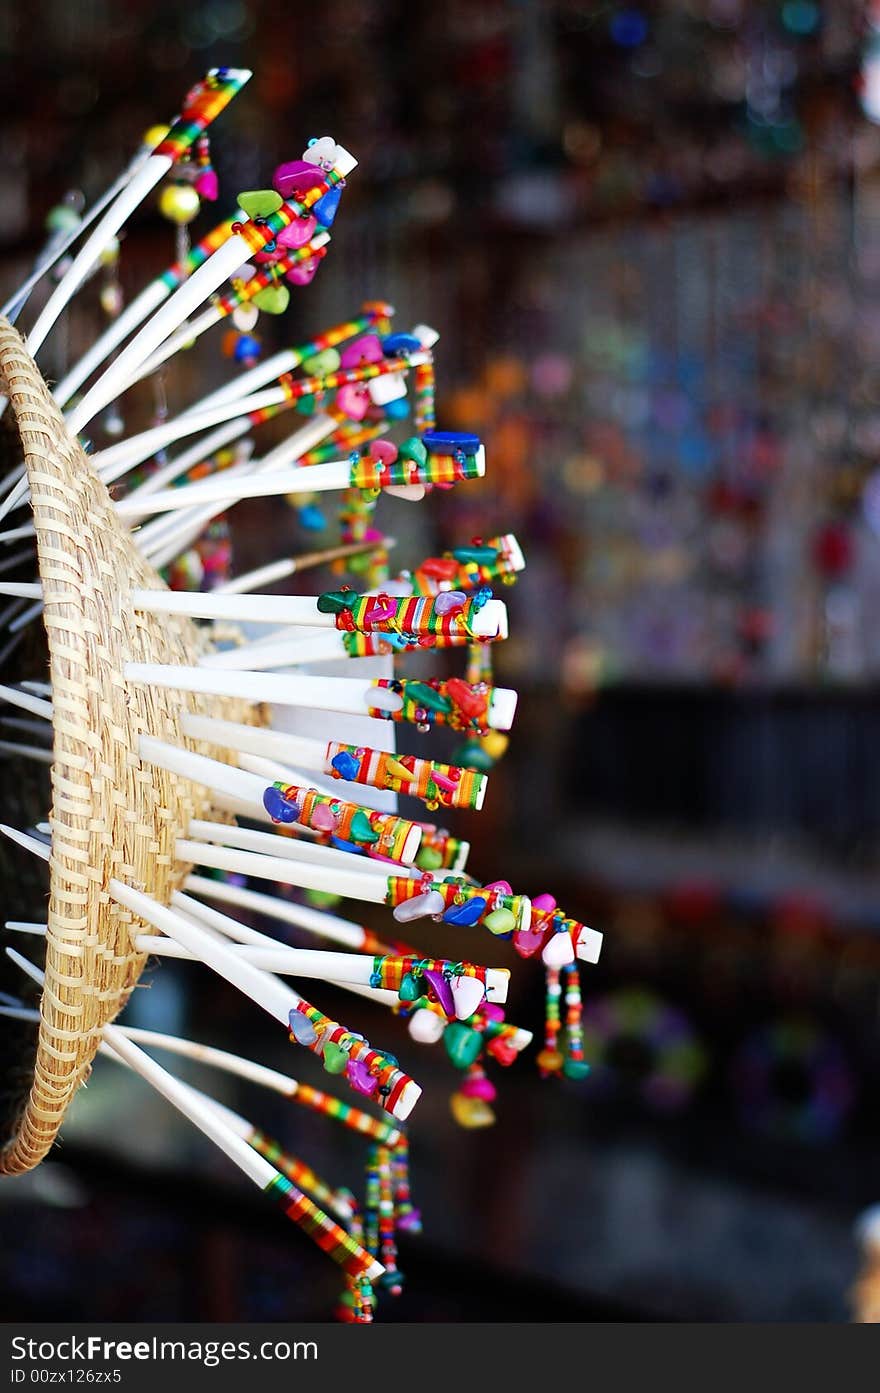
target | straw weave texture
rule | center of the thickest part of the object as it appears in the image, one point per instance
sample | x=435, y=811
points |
x=111, y=816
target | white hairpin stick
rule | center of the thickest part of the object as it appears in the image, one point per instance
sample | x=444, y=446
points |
x=343, y=694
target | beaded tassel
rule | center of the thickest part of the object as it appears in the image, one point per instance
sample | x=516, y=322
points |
x=575, y=1066
x=371, y=1202
x=391, y=1279
x=550, y=1059
x=407, y=1218
x=424, y=415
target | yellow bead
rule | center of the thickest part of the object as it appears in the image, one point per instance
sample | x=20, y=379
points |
x=494, y=744
x=155, y=135
x=471, y=1112
x=179, y=203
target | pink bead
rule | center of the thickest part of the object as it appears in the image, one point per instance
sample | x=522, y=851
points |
x=384, y=451
x=303, y=272
x=545, y=903
x=500, y=886
x=479, y=1088
x=206, y=185
x=353, y=401
x=323, y=820
x=492, y=1011
x=528, y=942
x=295, y=178
x=297, y=233
x=366, y=349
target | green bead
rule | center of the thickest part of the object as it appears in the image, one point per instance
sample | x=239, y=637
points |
x=429, y=859
x=575, y=1068
x=409, y=988
x=463, y=1045
x=272, y=299
x=473, y=756
x=333, y=1058
x=260, y=203
x=482, y=556
x=62, y=219
x=500, y=921
x=413, y=449
x=320, y=364
x=362, y=829
x=428, y=697
x=335, y=601
x=323, y=899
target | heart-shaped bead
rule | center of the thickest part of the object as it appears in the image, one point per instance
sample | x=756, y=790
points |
x=467, y=995
x=431, y=902
x=353, y=401
x=366, y=349
x=320, y=364
x=467, y=913
x=441, y=989
x=323, y=818
x=272, y=299
x=450, y=601
x=361, y=828
x=426, y=1027
x=297, y=233
x=279, y=808
x=558, y=951
x=334, y=1059
x=295, y=178
x=345, y=764
x=260, y=203
x=360, y=1078
x=301, y=1028
x=383, y=451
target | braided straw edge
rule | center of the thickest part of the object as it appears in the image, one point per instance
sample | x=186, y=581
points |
x=110, y=816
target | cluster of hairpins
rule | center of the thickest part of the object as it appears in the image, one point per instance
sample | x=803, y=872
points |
x=303, y=799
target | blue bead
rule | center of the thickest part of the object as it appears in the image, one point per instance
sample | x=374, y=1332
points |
x=246, y=347
x=394, y=344
x=346, y=846
x=278, y=807
x=311, y=518
x=345, y=765
x=397, y=410
x=465, y=914
x=448, y=442
x=326, y=207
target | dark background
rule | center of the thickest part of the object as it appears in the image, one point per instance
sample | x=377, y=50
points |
x=649, y=237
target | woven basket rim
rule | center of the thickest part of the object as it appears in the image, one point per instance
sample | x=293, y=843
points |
x=110, y=816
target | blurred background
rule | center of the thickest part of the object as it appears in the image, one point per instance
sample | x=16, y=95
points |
x=649, y=236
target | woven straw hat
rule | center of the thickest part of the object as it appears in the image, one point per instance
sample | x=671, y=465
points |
x=110, y=815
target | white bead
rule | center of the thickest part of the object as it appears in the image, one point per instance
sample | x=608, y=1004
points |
x=468, y=994
x=426, y=1027
x=244, y=317
x=419, y=906
x=558, y=951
